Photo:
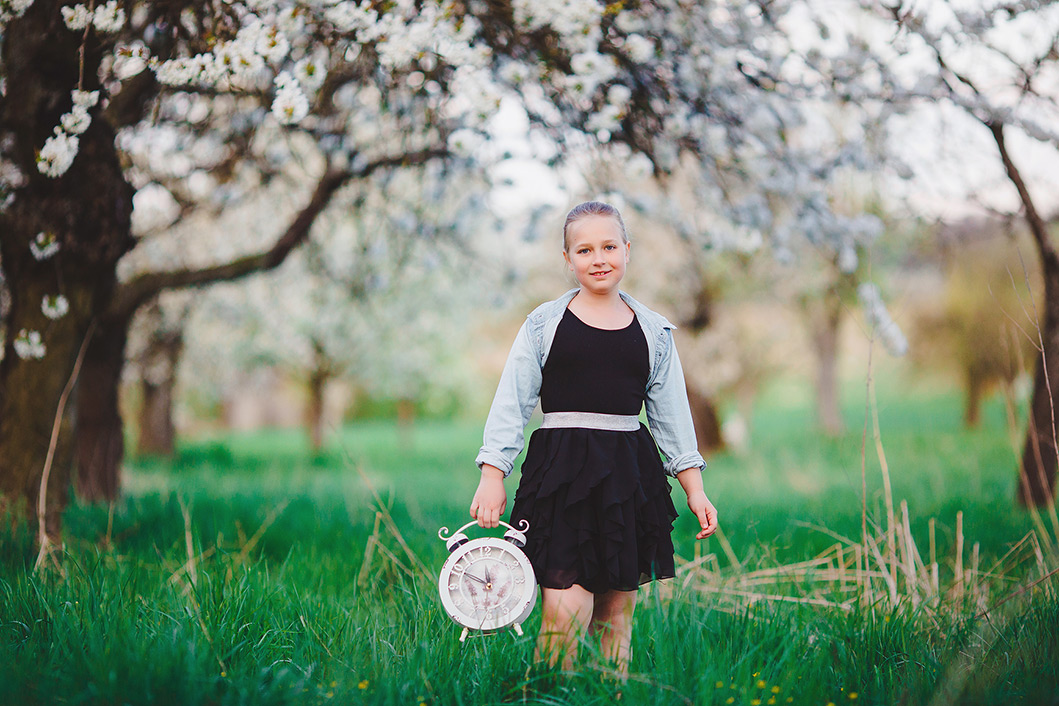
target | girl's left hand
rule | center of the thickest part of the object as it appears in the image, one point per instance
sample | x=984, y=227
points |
x=706, y=513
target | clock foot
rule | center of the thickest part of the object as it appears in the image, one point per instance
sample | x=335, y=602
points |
x=463, y=636
x=517, y=628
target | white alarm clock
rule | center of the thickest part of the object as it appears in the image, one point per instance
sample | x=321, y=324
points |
x=487, y=583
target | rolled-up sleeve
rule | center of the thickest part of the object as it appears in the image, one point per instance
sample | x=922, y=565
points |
x=516, y=397
x=669, y=414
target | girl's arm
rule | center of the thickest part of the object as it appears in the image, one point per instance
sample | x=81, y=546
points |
x=691, y=481
x=669, y=414
x=490, y=500
x=516, y=397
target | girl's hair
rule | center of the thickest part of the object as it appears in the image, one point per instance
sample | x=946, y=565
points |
x=592, y=208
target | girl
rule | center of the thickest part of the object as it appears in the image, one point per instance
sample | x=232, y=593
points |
x=593, y=488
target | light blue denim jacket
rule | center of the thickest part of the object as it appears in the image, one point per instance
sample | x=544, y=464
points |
x=668, y=412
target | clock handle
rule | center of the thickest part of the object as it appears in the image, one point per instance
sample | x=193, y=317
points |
x=515, y=536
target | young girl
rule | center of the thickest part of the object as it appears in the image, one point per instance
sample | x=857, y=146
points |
x=593, y=486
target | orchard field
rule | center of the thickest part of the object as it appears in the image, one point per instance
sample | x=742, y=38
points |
x=249, y=571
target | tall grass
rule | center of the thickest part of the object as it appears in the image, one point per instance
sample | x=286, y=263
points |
x=240, y=574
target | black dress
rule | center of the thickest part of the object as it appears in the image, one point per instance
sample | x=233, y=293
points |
x=597, y=501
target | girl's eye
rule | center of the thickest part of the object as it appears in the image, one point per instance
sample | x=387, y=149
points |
x=582, y=251
x=611, y=247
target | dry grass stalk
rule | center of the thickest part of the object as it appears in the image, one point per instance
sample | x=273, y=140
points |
x=48, y=547
x=839, y=577
x=189, y=544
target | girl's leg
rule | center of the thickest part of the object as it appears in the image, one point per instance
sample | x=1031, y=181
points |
x=612, y=620
x=565, y=616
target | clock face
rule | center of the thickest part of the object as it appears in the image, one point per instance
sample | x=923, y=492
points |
x=488, y=584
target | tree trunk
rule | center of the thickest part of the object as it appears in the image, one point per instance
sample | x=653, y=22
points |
x=88, y=211
x=157, y=383
x=704, y=413
x=825, y=336
x=100, y=433
x=707, y=422
x=974, y=385
x=1037, y=467
x=318, y=379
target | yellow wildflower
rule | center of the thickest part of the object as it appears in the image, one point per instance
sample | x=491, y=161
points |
x=761, y=683
x=775, y=690
x=852, y=695
x=363, y=685
x=755, y=702
x=720, y=685
x=731, y=700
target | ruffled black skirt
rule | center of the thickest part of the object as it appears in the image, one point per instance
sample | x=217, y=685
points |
x=598, y=508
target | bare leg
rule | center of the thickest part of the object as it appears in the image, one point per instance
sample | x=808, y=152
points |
x=565, y=617
x=612, y=620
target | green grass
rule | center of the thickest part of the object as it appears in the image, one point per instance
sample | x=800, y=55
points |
x=287, y=622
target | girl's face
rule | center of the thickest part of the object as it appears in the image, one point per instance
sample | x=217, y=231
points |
x=597, y=253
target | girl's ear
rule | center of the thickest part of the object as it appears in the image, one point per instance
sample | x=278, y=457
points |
x=566, y=256
x=628, y=249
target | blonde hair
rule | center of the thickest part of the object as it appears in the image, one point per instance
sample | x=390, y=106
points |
x=592, y=208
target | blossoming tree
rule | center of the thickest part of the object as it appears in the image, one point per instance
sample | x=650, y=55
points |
x=102, y=101
x=995, y=64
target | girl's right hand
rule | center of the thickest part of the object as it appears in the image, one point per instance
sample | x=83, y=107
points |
x=490, y=500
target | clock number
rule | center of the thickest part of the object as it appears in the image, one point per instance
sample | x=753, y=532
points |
x=486, y=551
x=453, y=587
x=520, y=579
x=458, y=568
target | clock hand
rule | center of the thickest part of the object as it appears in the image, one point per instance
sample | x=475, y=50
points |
x=469, y=575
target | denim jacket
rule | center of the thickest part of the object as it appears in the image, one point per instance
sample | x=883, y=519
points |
x=668, y=412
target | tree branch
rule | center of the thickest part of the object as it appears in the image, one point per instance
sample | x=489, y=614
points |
x=1038, y=228
x=132, y=294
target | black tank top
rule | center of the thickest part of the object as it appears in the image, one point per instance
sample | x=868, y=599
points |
x=598, y=370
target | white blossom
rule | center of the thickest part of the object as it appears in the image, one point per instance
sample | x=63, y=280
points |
x=310, y=73
x=44, y=245
x=76, y=121
x=464, y=142
x=76, y=17
x=619, y=96
x=639, y=48
x=594, y=66
x=516, y=73
x=290, y=105
x=879, y=319
x=28, y=345
x=84, y=99
x=270, y=43
x=130, y=60
x=607, y=119
x=350, y=17
x=109, y=17
x=54, y=306
x=17, y=7
x=847, y=259
x=57, y=154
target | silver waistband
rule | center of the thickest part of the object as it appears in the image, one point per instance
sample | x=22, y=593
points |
x=591, y=420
